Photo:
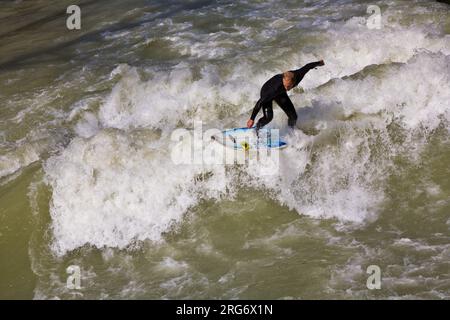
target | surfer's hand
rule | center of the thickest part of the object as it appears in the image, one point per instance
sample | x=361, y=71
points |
x=250, y=123
x=321, y=63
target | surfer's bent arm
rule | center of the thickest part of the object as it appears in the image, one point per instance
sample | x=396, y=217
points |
x=256, y=109
x=267, y=95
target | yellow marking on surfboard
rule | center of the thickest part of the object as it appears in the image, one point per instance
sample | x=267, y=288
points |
x=245, y=145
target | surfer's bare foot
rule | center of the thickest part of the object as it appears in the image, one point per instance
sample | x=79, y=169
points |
x=250, y=123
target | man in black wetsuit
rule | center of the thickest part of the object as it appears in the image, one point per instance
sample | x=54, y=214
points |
x=276, y=89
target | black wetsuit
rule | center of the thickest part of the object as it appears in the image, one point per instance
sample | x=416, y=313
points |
x=274, y=89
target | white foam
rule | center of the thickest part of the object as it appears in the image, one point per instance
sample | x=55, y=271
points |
x=352, y=46
x=21, y=157
x=113, y=189
x=88, y=126
x=345, y=180
x=417, y=92
x=167, y=98
x=168, y=264
x=110, y=189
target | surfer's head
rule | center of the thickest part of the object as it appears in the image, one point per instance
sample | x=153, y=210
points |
x=288, y=80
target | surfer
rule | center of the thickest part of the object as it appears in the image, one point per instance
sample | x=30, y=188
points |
x=276, y=89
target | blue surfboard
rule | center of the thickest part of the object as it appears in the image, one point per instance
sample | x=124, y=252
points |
x=247, y=139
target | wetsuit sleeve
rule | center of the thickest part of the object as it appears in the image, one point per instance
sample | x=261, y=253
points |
x=266, y=96
x=268, y=92
x=300, y=73
x=256, y=109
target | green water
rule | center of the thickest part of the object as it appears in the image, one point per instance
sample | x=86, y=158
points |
x=85, y=124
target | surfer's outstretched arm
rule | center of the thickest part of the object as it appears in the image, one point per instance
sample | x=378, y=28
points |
x=303, y=70
x=300, y=73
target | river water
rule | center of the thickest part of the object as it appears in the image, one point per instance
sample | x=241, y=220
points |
x=88, y=177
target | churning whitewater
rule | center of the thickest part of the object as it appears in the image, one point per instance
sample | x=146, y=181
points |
x=363, y=181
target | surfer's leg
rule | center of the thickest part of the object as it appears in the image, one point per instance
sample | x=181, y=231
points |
x=268, y=115
x=286, y=104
